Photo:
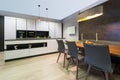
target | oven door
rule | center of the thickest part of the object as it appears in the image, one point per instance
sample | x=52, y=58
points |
x=30, y=34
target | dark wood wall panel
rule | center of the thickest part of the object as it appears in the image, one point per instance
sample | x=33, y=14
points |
x=1, y=33
x=107, y=26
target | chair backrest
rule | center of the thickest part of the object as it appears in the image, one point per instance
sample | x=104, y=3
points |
x=61, y=46
x=72, y=49
x=98, y=56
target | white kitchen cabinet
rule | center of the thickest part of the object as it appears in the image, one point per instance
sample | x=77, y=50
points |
x=42, y=25
x=58, y=30
x=31, y=24
x=55, y=30
x=52, y=46
x=21, y=24
x=10, y=28
x=52, y=29
x=13, y=54
x=30, y=51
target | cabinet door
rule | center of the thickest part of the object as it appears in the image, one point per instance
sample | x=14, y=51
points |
x=13, y=54
x=10, y=28
x=51, y=48
x=58, y=30
x=21, y=24
x=51, y=29
x=31, y=24
x=41, y=26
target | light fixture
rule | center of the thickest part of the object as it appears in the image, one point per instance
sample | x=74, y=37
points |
x=39, y=19
x=47, y=13
x=47, y=21
x=90, y=14
x=90, y=17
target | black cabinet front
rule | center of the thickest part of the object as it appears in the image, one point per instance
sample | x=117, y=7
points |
x=26, y=46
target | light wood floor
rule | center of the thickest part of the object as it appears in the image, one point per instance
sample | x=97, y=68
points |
x=35, y=68
x=44, y=68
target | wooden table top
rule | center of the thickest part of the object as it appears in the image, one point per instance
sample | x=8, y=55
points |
x=114, y=49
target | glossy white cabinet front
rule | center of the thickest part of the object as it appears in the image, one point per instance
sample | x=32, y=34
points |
x=31, y=24
x=21, y=24
x=41, y=25
x=20, y=53
x=10, y=28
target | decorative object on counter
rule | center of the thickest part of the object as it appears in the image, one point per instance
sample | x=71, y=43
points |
x=82, y=36
x=96, y=36
x=88, y=42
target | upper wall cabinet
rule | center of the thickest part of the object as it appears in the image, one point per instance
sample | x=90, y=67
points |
x=55, y=30
x=31, y=24
x=41, y=25
x=51, y=29
x=10, y=28
x=58, y=30
x=21, y=24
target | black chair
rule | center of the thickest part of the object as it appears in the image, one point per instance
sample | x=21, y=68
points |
x=98, y=56
x=74, y=54
x=116, y=60
x=61, y=49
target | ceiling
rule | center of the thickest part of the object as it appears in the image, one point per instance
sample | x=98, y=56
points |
x=57, y=9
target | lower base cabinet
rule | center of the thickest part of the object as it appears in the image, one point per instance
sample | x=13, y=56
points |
x=36, y=47
x=13, y=54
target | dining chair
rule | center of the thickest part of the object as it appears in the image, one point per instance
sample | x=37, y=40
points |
x=98, y=56
x=74, y=54
x=61, y=49
x=116, y=61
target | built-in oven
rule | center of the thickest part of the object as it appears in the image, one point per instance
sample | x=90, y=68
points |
x=30, y=34
x=21, y=34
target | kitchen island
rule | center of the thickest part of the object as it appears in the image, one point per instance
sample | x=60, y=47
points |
x=21, y=48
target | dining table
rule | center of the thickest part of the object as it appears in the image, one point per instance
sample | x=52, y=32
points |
x=114, y=49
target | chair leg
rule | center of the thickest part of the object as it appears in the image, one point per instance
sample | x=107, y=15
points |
x=64, y=59
x=112, y=76
x=58, y=56
x=88, y=70
x=115, y=68
x=77, y=69
x=73, y=61
x=68, y=63
x=106, y=76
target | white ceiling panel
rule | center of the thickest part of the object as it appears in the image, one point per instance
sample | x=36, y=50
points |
x=57, y=9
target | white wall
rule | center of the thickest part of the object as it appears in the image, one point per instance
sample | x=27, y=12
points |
x=68, y=22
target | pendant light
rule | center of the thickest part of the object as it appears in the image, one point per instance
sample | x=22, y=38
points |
x=47, y=13
x=47, y=21
x=39, y=19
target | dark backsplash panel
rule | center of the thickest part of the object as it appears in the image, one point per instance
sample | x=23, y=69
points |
x=107, y=26
x=26, y=46
x=42, y=33
x=31, y=34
